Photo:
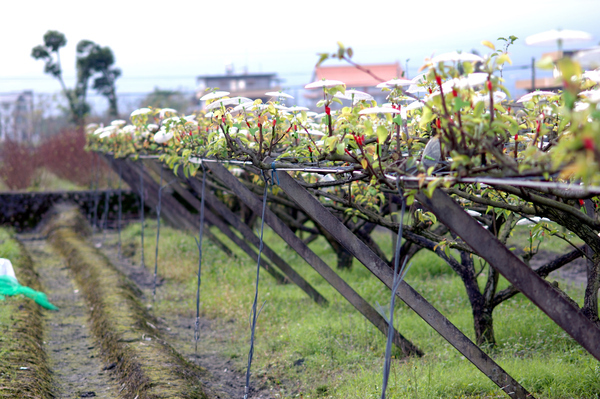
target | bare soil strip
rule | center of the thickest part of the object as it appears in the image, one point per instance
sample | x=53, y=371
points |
x=73, y=353
x=145, y=364
x=225, y=377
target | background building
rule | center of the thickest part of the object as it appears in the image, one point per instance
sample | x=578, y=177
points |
x=16, y=116
x=251, y=85
x=357, y=79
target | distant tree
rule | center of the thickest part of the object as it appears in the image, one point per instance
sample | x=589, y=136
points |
x=92, y=58
x=161, y=98
x=92, y=61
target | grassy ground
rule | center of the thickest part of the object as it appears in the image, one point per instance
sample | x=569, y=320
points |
x=45, y=180
x=23, y=368
x=311, y=351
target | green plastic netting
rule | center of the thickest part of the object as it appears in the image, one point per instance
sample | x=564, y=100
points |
x=9, y=286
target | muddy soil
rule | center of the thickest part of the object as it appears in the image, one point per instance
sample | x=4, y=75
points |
x=72, y=352
x=227, y=380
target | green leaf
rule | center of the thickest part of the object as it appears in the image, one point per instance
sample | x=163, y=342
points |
x=382, y=134
x=478, y=110
x=459, y=103
x=545, y=63
x=426, y=117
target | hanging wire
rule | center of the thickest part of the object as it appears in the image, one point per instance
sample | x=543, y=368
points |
x=142, y=208
x=254, y=313
x=105, y=214
x=160, y=187
x=158, y=208
x=120, y=209
x=95, y=183
x=398, y=277
x=199, y=245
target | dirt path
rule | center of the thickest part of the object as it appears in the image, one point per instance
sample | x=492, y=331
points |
x=72, y=352
x=226, y=380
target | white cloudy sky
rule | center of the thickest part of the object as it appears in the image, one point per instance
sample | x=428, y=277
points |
x=167, y=43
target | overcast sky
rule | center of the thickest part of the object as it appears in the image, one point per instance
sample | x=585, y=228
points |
x=168, y=43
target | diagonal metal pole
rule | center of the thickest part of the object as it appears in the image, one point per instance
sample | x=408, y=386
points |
x=542, y=294
x=254, y=203
x=412, y=298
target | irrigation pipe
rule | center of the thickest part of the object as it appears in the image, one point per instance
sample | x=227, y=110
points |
x=199, y=245
x=158, y=207
x=254, y=313
x=398, y=277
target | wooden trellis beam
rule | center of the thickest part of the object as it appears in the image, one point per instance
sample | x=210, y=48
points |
x=412, y=298
x=172, y=211
x=542, y=294
x=255, y=204
x=243, y=228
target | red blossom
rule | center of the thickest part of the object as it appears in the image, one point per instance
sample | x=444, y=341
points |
x=454, y=92
x=581, y=202
x=588, y=143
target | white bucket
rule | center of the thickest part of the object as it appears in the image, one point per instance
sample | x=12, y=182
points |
x=6, y=268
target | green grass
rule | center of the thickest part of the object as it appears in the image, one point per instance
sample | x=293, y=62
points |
x=45, y=180
x=334, y=352
x=23, y=368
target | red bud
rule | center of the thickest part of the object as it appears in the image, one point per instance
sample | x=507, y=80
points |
x=589, y=144
x=581, y=202
x=516, y=137
x=274, y=122
x=489, y=85
x=248, y=124
x=438, y=80
x=454, y=92
x=538, y=126
x=328, y=110
x=438, y=123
